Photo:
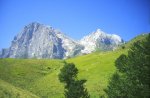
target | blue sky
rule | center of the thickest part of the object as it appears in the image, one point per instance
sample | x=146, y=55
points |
x=76, y=18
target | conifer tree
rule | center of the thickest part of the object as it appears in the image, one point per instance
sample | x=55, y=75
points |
x=74, y=88
x=132, y=79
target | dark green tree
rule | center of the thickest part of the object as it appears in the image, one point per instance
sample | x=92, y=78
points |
x=115, y=89
x=68, y=74
x=74, y=88
x=132, y=79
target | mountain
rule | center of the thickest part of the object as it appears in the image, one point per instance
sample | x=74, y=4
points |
x=100, y=40
x=25, y=78
x=41, y=41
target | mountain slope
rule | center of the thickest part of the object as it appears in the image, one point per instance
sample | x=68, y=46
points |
x=40, y=77
x=36, y=76
x=9, y=91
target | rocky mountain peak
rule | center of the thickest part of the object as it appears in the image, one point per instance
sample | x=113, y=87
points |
x=41, y=41
x=99, y=32
x=100, y=40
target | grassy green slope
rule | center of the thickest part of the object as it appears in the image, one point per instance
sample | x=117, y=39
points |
x=40, y=77
x=96, y=68
x=36, y=76
x=9, y=91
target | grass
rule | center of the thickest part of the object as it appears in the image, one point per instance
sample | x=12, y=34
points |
x=36, y=76
x=96, y=68
x=40, y=77
x=9, y=91
x=29, y=78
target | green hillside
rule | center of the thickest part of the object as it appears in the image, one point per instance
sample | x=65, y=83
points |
x=96, y=68
x=36, y=76
x=40, y=77
x=9, y=91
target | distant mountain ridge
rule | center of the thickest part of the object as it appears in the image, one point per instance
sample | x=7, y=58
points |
x=101, y=41
x=41, y=41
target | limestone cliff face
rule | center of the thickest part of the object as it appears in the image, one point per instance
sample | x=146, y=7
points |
x=40, y=41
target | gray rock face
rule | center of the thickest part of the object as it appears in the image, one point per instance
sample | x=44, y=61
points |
x=4, y=53
x=40, y=41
